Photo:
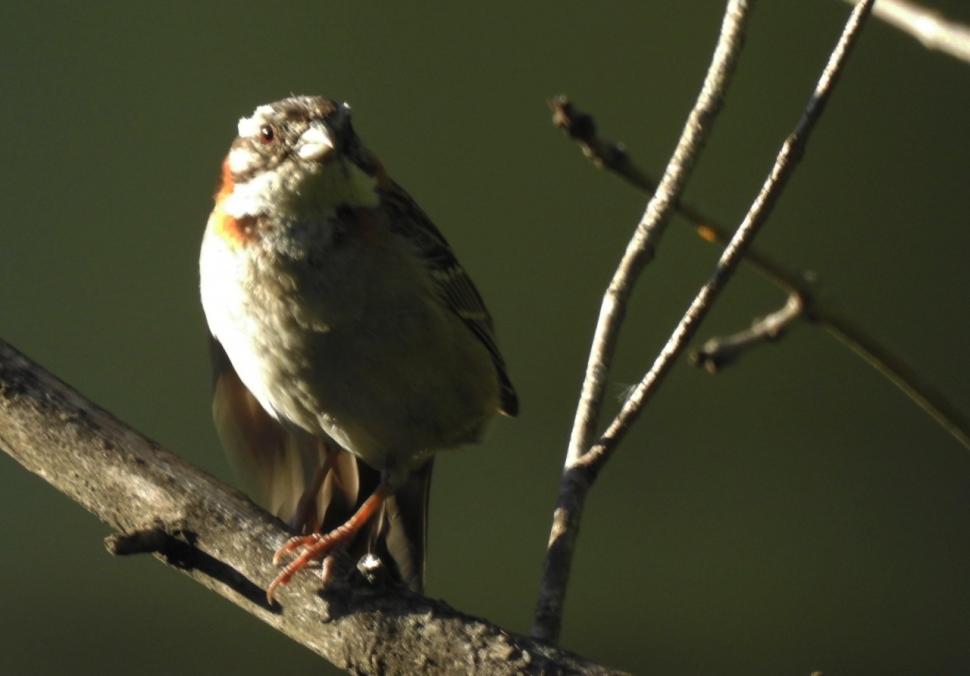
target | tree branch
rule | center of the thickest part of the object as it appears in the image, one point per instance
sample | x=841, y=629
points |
x=565, y=526
x=606, y=154
x=161, y=504
x=932, y=29
x=787, y=159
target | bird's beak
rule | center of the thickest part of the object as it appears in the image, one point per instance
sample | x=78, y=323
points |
x=315, y=142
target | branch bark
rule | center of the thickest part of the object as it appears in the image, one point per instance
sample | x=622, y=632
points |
x=161, y=504
x=574, y=485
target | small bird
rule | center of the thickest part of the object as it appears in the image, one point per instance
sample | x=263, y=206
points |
x=348, y=343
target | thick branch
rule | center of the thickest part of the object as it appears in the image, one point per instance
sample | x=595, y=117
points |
x=555, y=575
x=219, y=538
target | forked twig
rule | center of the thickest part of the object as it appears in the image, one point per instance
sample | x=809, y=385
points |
x=548, y=615
x=785, y=163
x=583, y=467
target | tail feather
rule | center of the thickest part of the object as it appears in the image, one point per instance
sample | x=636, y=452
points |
x=400, y=537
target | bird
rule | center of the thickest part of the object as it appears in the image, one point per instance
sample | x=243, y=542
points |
x=348, y=343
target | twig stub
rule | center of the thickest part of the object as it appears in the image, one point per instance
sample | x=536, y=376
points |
x=603, y=153
x=716, y=353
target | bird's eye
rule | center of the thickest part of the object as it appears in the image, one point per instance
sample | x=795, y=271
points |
x=267, y=133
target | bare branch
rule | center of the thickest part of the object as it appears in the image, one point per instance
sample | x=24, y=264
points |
x=785, y=162
x=716, y=353
x=161, y=504
x=932, y=29
x=612, y=156
x=548, y=616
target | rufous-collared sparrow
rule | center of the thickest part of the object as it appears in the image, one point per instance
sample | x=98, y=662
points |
x=349, y=344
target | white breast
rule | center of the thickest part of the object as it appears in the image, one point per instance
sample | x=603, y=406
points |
x=224, y=277
x=350, y=340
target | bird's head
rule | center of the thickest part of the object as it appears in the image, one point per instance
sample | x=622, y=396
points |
x=298, y=158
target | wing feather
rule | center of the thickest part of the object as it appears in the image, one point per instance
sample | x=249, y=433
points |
x=453, y=283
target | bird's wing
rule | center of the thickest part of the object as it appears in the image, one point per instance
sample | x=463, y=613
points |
x=453, y=283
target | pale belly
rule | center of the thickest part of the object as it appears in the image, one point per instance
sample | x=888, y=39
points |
x=359, y=349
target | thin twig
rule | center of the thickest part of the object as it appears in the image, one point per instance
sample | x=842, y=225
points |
x=606, y=154
x=161, y=504
x=932, y=29
x=718, y=352
x=878, y=356
x=787, y=159
x=573, y=485
x=612, y=156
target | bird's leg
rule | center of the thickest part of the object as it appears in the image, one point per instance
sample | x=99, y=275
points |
x=294, y=543
x=317, y=544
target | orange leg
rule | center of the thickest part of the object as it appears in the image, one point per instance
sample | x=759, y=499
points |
x=294, y=543
x=316, y=544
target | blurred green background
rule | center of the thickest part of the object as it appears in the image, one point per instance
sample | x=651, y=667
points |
x=794, y=513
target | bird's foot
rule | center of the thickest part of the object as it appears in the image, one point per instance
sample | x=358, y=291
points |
x=295, y=543
x=318, y=545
